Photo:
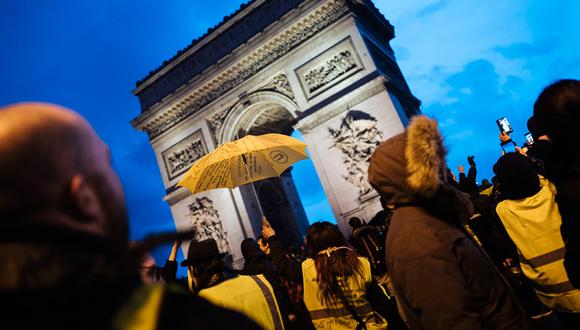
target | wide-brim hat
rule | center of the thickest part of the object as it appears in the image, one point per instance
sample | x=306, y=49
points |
x=200, y=251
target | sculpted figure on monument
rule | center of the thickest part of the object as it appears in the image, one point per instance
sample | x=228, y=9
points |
x=280, y=84
x=357, y=138
x=206, y=223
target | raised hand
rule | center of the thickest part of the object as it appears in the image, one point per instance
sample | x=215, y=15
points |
x=267, y=230
x=504, y=137
x=471, y=161
x=174, y=249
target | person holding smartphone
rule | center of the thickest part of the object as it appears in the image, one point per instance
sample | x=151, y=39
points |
x=507, y=144
x=542, y=145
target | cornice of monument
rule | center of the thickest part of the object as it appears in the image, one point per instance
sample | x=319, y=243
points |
x=196, y=44
x=175, y=194
x=236, y=31
x=184, y=103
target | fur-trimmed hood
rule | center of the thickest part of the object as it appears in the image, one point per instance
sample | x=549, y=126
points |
x=410, y=167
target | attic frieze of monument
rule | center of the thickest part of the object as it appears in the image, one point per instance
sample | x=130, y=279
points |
x=155, y=122
x=329, y=68
x=179, y=157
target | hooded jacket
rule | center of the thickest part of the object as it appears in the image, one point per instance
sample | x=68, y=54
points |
x=442, y=279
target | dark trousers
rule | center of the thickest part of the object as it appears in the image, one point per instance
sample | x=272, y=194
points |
x=570, y=321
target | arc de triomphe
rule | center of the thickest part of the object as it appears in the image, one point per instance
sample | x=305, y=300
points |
x=324, y=68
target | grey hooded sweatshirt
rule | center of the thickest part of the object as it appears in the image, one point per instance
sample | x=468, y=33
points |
x=442, y=278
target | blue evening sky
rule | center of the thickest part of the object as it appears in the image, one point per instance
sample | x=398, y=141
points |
x=469, y=62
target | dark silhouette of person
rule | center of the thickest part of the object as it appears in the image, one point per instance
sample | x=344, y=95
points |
x=64, y=235
x=557, y=114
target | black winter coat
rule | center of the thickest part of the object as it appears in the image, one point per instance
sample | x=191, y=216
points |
x=442, y=278
x=568, y=199
x=57, y=279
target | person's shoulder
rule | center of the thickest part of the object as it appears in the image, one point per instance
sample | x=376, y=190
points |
x=366, y=264
x=307, y=263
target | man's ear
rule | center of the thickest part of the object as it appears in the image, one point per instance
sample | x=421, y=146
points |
x=84, y=199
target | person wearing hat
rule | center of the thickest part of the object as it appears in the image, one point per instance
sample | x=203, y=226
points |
x=209, y=277
x=531, y=217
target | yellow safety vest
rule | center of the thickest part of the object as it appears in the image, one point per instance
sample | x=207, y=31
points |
x=250, y=295
x=337, y=316
x=141, y=310
x=487, y=191
x=533, y=224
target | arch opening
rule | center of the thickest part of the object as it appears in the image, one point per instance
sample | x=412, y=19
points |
x=282, y=199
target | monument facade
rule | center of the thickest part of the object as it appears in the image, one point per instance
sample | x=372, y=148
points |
x=324, y=68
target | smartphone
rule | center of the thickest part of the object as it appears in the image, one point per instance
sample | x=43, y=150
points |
x=509, y=146
x=504, y=125
x=529, y=138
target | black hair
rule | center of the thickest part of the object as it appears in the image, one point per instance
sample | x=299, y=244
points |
x=516, y=176
x=557, y=110
x=355, y=222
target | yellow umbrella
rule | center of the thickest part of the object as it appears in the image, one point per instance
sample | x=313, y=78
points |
x=246, y=160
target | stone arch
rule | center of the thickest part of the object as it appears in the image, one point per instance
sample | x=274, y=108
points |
x=247, y=112
x=261, y=112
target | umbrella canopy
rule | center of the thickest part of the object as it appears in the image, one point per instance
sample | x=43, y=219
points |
x=246, y=160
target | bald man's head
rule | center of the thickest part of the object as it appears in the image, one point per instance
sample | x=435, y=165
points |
x=54, y=168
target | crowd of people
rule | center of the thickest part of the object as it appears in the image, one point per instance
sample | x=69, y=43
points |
x=444, y=253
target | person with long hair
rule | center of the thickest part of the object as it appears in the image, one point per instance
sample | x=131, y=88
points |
x=339, y=290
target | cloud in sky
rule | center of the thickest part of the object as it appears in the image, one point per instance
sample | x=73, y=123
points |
x=471, y=62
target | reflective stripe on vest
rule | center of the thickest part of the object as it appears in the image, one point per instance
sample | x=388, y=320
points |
x=339, y=312
x=335, y=316
x=547, y=258
x=555, y=288
x=533, y=224
x=271, y=302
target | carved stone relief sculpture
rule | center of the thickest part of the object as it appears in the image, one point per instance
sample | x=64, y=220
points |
x=216, y=121
x=179, y=157
x=206, y=223
x=329, y=68
x=280, y=84
x=357, y=138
